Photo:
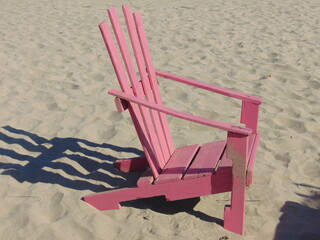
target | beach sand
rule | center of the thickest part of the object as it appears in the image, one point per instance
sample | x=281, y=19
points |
x=60, y=131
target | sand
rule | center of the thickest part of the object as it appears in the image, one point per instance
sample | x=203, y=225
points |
x=60, y=132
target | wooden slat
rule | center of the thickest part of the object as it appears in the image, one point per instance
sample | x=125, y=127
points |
x=206, y=86
x=208, y=122
x=225, y=162
x=133, y=109
x=206, y=160
x=145, y=80
x=177, y=164
x=149, y=125
x=153, y=78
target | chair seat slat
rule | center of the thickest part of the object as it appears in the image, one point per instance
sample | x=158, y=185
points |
x=177, y=164
x=206, y=160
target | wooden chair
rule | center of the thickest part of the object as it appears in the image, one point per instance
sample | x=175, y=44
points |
x=176, y=173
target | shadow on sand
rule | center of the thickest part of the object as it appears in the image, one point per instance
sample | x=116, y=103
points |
x=160, y=205
x=299, y=221
x=60, y=154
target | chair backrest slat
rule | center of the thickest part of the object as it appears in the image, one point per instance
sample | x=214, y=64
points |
x=145, y=113
x=153, y=79
x=134, y=110
x=145, y=80
x=152, y=126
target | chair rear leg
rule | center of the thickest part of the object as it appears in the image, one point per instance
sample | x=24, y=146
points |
x=137, y=164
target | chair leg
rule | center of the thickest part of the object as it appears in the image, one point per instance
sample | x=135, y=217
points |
x=237, y=152
x=234, y=215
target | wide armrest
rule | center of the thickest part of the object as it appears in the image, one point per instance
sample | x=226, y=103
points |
x=212, y=123
x=206, y=86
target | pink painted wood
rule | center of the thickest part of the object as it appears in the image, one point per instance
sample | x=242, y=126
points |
x=149, y=125
x=152, y=77
x=133, y=109
x=217, y=183
x=237, y=151
x=252, y=158
x=121, y=105
x=186, y=116
x=206, y=86
x=146, y=178
x=151, y=93
x=184, y=172
x=177, y=164
x=250, y=115
x=137, y=164
x=206, y=161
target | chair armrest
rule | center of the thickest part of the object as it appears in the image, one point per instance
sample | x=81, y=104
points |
x=206, y=86
x=186, y=116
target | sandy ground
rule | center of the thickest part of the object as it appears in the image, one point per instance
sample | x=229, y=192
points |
x=60, y=132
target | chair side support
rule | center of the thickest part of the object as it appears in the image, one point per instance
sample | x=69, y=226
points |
x=250, y=115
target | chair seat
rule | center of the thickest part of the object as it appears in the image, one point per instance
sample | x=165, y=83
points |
x=192, y=161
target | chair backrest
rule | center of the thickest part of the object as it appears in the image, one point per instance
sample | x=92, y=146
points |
x=151, y=126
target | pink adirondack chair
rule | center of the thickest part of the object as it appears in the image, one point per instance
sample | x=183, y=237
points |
x=176, y=173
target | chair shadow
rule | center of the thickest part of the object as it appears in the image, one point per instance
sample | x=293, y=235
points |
x=161, y=205
x=299, y=221
x=61, y=154
x=66, y=154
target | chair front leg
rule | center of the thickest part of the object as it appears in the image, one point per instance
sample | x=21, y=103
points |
x=237, y=151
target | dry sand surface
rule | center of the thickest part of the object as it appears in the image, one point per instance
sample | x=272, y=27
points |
x=60, y=132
